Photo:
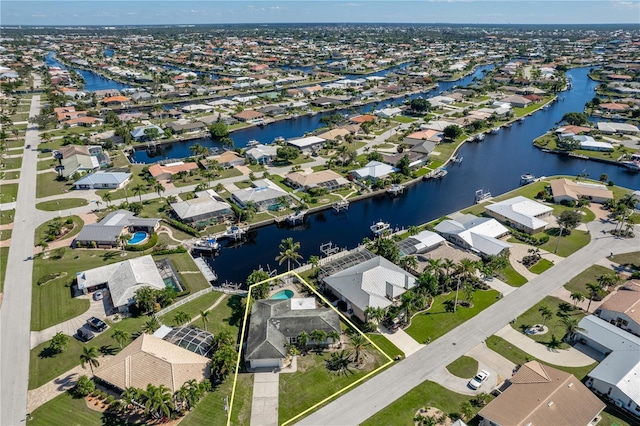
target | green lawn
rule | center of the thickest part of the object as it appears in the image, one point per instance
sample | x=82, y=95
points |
x=4, y=253
x=385, y=345
x=631, y=260
x=512, y=277
x=47, y=164
x=65, y=410
x=11, y=163
x=589, y=275
x=519, y=357
x=61, y=204
x=193, y=308
x=541, y=266
x=427, y=394
x=532, y=317
x=11, y=175
x=403, y=119
x=47, y=184
x=184, y=263
x=8, y=192
x=465, y=367
x=568, y=244
x=437, y=321
x=41, y=231
x=7, y=216
x=5, y=234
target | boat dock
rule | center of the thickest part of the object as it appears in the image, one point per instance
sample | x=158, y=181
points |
x=206, y=270
x=395, y=190
x=339, y=206
x=482, y=196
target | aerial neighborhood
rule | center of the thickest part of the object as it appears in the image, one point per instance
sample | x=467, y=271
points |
x=319, y=225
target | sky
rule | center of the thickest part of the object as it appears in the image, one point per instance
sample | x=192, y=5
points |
x=179, y=12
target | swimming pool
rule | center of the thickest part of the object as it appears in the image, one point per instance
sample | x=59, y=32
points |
x=283, y=294
x=137, y=238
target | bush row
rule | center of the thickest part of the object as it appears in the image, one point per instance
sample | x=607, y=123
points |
x=178, y=249
x=153, y=240
x=182, y=227
x=529, y=239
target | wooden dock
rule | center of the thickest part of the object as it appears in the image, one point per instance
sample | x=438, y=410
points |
x=206, y=270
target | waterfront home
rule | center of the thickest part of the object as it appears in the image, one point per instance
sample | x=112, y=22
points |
x=103, y=180
x=420, y=243
x=569, y=190
x=420, y=136
x=262, y=154
x=334, y=134
x=375, y=283
x=481, y=235
x=141, y=97
x=521, y=213
x=613, y=107
x=186, y=127
x=437, y=125
x=115, y=100
x=106, y=93
x=272, y=110
x=611, y=128
x=105, y=233
x=263, y=194
x=541, y=395
x=588, y=143
x=373, y=171
x=616, y=377
x=138, y=133
x=207, y=207
x=196, y=108
x=359, y=119
x=80, y=158
x=168, y=170
x=622, y=308
x=309, y=179
x=150, y=360
x=516, y=101
x=308, y=144
x=275, y=323
x=122, y=279
x=228, y=159
x=573, y=130
x=416, y=159
x=249, y=116
x=388, y=112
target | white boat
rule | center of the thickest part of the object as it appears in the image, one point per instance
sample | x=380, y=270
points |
x=458, y=160
x=296, y=217
x=395, y=190
x=278, y=139
x=479, y=137
x=208, y=243
x=527, y=178
x=521, y=120
x=253, y=142
x=440, y=173
x=379, y=227
x=482, y=196
x=495, y=130
x=234, y=232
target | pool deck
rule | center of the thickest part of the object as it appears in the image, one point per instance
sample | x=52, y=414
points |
x=281, y=287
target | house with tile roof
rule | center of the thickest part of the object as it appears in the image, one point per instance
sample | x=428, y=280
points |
x=207, y=207
x=168, y=170
x=308, y=179
x=103, y=180
x=569, y=190
x=622, y=308
x=263, y=194
x=541, y=395
x=106, y=232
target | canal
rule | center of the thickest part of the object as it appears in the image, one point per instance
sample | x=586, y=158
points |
x=92, y=80
x=495, y=165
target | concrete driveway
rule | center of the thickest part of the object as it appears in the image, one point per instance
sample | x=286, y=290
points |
x=264, y=405
x=402, y=340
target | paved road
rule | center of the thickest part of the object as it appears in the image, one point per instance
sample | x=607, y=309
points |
x=15, y=313
x=366, y=400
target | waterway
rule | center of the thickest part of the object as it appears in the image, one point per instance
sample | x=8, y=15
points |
x=495, y=165
x=92, y=80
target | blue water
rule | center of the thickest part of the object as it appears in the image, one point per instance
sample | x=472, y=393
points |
x=137, y=238
x=108, y=53
x=495, y=165
x=283, y=294
x=92, y=81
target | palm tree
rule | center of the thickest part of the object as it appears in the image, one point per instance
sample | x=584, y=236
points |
x=223, y=362
x=576, y=296
x=319, y=336
x=468, y=290
x=132, y=396
x=359, y=343
x=413, y=230
x=303, y=339
x=158, y=188
x=158, y=401
x=335, y=336
x=205, y=318
x=625, y=204
x=608, y=280
x=89, y=356
x=570, y=325
x=123, y=238
x=139, y=189
x=181, y=318
x=466, y=409
x=107, y=198
x=151, y=325
x=98, y=203
x=43, y=244
x=545, y=313
x=314, y=261
x=594, y=291
x=289, y=251
x=120, y=336
x=409, y=263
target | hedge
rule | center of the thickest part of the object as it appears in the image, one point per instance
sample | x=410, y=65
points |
x=153, y=240
x=529, y=239
x=179, y=249
x=182, y=227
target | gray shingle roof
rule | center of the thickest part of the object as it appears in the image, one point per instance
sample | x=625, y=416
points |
x=109, y=228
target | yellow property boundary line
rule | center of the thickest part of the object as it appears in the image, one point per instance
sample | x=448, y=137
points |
x=346, y=320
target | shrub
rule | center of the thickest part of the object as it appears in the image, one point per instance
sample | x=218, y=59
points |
x=182, y=227
x=179, y=249
x=46, y=278
x=69, y=221
x=529, y=239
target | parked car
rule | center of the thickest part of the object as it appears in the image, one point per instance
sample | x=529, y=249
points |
x=97, y=324
x=85, y=335
x=479, y=379
x=98, y=295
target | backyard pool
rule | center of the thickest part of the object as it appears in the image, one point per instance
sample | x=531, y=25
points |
x=283, y=294
x=137, y=238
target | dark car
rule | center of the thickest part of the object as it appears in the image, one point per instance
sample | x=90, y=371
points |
x=97, y=324
x=85, y=335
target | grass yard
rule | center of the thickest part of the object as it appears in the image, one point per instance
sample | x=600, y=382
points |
x=61, y=409
x=11, y=175
x=193, y=308
x=8, y=192
x=61, y=204
x=589, y=275
x=631, y=260
x=5, y=234
x=464, y=367
x=403, y=119
x=532, y=317
x=437, y=321
x=11, y=163
x=41, y=231
x=47, y=185
x=6, y=216
x=427, y=394
x=4, y=253
x=182, y=262
x=519, y=357
x=385, y=345
x=512, y=277
x=47, y=164
x=541, y=266
x=568, y=244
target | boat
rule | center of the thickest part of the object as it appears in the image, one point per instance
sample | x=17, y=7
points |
x=632, y=165
x=296, y=217
x=440, y=173
x=482, y=196
x=479, y=137
x=521, y=120
x=458, y=160
x=527, y=178
x=506, y=125
x=234, y=232
x=379, y=228
x=278, y=139
x=395, y=190
x=495, y=130
x=253, y=142
x=294, y=116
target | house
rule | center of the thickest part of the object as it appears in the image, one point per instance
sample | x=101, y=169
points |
x=613, y=107
x=373, y=171
x=478, y=234
x=207, y=207
x=362, y=118
x=308, y=179
x=106, y=232
x=103, y=180
x=521, y=213
x=590, y=144
x=264, y=195
x=272, y=110
x=152, y=360
x=516, y=101
x=179, y=128
x=376, y=283
x=616, y=377
x=622, y=308
x=541, y=395
x=262, y=154
x=611, y=128
x=388, y=112
x=574, y=130
x=569, y=190
x=275, y=323
x=83, y=121
x=122, y=279
x=334, y=134
x=139, y=132
x=307, y=144
x=229, y=159
x=423, y=135
x=80, y=158
x=168, y=170
x=437, y=125
x=115, y=100
x=249, y=116
x=420, y=243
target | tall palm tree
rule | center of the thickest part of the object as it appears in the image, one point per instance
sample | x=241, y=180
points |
x=359, y=343
x=570, y=325
x=594, y=291
x=151, y=325
x=138, y=190
x=89, y=356
x=158, y=401
x=335, y=336
x=314, y=261
x=409, y=263
x=120, y=336
x=545, y=313
x=223, y=362
x=625, y=204
x=132, y=396
x=123, y=238
x=303, y=339
x=158, y=188
x=181, y=318
x=319, y=336
x=289, y=251
x=205, y=318
x=576, y=296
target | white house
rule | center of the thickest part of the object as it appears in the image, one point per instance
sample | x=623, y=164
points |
x=307, y=144
x=622, y=308
x=373, y=170
x=103, y=180
x=478, y=234
x=521, y=213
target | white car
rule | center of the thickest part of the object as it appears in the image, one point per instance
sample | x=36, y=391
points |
x=98, y=295
x=479, y=379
